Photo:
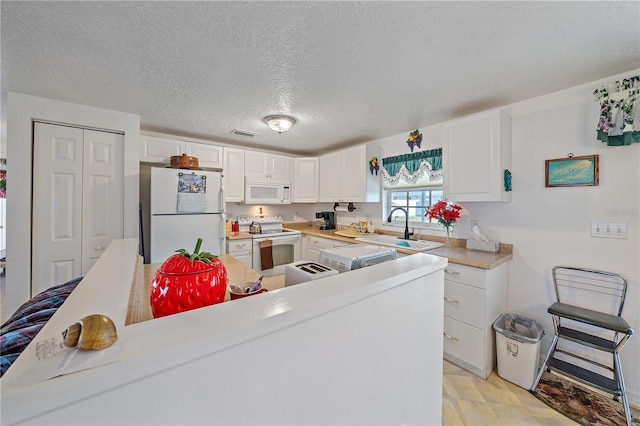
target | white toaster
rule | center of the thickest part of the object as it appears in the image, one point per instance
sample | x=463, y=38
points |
x=303, y=271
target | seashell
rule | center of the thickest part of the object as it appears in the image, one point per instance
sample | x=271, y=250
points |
x=91, y=332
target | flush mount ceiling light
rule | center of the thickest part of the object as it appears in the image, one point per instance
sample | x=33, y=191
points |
x=279, y=123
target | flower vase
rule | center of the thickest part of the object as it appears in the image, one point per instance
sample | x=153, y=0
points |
x=447, y=238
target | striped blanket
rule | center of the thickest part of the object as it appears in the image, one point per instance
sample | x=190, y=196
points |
x=28, y=320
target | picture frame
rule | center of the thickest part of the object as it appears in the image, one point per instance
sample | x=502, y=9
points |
x=572, y=171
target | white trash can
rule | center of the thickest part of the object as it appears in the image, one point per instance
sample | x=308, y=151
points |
x=518, y=348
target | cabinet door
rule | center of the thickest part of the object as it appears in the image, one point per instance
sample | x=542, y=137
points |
x=330, y=177
x=160, y=150
x=233, y=172
x=255, y=164
x=476, y=151
x=312, y=254
x=208, y=155
x=354, y=174
x=279, y=166
x=305, y=180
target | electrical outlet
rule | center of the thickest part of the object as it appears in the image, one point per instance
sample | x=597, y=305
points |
x=609, y=230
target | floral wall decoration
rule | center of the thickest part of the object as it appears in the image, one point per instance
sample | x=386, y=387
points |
x=619, y=122
x=374, y=165
x=415, y=138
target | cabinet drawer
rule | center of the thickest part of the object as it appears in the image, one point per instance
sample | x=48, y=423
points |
x=464, y=303
x=324, y=243
x=239, y=245
x=463, y=342
x=465, y=274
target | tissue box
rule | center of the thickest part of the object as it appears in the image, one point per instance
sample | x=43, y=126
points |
x=480, y=245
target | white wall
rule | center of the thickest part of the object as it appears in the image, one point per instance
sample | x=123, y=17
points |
x=551, y=226
x=22, y=110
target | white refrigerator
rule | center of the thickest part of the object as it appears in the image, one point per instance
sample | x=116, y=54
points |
x=186, y=205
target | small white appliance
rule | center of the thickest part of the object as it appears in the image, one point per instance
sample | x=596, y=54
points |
x=303, y=271
x=267, y=191
x=186, y=205
x=278, y=245
x=348, y=258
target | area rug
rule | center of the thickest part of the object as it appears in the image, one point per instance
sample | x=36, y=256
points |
x=581, y=404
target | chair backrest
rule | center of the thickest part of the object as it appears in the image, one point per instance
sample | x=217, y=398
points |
x=589, y=288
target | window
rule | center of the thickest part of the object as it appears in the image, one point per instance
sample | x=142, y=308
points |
x=415, y=200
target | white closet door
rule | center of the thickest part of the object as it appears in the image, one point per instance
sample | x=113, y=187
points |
x=102, y=197
x=78, y=201
x=57, y=205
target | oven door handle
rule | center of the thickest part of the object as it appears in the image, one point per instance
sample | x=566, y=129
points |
x=279, y=239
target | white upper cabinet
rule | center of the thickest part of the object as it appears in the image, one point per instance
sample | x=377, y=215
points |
x=346, y=176
x=208, y=155
x=305, y=180
x=233, y=175
x=476, y=152
x=263, y=165
x=160, y=150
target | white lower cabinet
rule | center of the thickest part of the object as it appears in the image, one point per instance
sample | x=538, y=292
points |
x=242, y=250
x=473, y=300
x=312, y=245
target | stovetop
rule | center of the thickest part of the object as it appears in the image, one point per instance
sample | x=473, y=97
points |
x=261, y=219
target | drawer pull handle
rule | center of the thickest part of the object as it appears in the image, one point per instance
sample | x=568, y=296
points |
x=451, y=300
x=241, y=245
x=454, y=339
x=452, y=272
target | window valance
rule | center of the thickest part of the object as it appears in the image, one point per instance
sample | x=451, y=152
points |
x=412, y=167
x=619, y=122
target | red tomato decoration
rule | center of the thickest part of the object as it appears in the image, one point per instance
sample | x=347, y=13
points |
x=187, y=281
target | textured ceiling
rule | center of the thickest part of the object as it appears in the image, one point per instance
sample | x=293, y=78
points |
x=348, y=72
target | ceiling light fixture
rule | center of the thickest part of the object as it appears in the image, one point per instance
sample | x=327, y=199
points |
x=279, y=123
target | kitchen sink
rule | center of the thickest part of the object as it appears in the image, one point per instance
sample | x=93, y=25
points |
x=390, y=240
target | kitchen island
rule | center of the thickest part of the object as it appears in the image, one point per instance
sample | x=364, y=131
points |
x=362, y=347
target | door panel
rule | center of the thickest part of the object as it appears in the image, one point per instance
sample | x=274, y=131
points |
x=102, y=194
x=57, y=205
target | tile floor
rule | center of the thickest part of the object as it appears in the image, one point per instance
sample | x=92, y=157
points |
x=470, y=400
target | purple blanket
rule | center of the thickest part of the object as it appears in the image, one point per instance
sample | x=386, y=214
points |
x=28, y=320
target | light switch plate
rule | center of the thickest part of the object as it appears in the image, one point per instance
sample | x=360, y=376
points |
x=609, y=230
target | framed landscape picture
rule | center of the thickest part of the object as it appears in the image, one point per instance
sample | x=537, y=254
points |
x=572, y=171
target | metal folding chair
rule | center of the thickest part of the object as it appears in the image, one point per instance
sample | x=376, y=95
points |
x=587, y=314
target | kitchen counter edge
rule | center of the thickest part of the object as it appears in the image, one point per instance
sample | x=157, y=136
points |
x=458, y=253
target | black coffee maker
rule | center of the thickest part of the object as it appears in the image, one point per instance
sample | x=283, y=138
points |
x=329, y=220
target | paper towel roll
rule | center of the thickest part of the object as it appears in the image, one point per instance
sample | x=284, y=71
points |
x=341, y=209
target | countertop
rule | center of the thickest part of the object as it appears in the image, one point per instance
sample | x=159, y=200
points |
x=457, y=253
x=139, y=309
x=238, y=236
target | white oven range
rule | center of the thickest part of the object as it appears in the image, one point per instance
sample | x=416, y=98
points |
x=285, y=245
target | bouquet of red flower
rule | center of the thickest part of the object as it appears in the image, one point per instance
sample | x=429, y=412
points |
x=445, y=213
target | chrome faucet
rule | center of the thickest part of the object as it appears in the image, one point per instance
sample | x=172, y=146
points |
x=406, y=221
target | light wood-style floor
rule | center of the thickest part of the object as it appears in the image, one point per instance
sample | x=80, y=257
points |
x=470, y=400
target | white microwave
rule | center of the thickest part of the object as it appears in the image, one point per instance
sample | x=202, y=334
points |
x=267, y=191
